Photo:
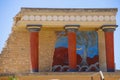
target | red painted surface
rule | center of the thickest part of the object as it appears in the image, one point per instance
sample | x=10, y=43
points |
x=72, y=56
x=109, y=41
x=93, y=60
x=34, y=50
x=61, y=57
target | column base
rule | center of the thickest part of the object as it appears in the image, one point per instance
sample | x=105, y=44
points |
x=35, y=70
x=110, y=70
x=72, y=70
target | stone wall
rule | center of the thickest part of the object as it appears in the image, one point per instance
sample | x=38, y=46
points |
x=15, y=56
x=47, y=40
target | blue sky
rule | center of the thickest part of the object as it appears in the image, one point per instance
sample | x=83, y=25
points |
x=9, y=8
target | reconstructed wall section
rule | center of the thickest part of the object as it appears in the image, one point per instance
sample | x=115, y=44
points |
x=47, y=40
x=15, y=56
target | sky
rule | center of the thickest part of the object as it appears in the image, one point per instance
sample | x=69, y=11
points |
x=9, y=8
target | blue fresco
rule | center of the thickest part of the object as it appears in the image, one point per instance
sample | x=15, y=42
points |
x=62, y=42
x=86, y=52
x=87, y=42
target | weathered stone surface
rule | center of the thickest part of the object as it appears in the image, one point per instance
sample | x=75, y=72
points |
x=63, y=76
x=15, y=56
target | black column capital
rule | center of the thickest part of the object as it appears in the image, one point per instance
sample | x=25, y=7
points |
x=34, y=27
x=109, y=28
x=71, y=28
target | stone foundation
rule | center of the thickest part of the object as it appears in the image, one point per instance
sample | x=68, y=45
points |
x=64, y=76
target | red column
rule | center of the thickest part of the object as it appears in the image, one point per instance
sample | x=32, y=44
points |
x=34, y=45
x=109, y=42
x=34, y=50
x=72, y=56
